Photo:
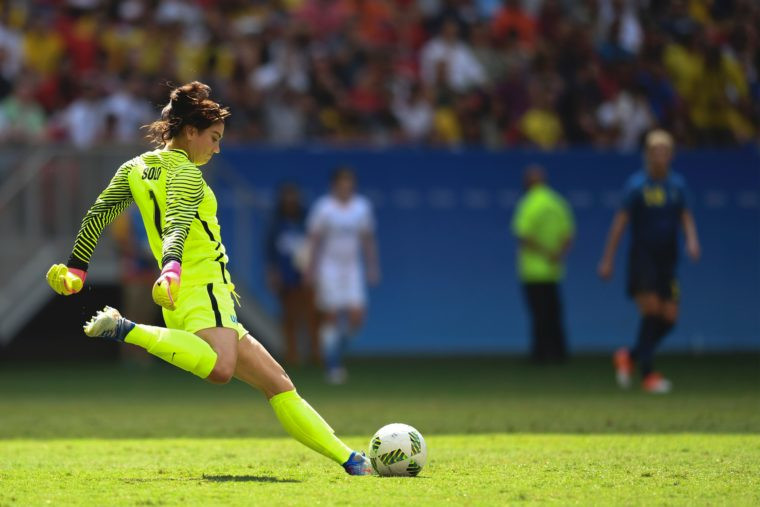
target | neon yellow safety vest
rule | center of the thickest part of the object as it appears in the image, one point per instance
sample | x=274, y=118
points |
x=543, y=216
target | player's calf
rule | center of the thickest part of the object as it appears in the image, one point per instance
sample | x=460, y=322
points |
x=182, y=349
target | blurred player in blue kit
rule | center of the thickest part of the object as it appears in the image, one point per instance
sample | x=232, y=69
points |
x=656, y=205
x=286, y=264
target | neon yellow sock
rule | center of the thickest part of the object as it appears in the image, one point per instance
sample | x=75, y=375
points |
x=307, y=426
x=180, y=348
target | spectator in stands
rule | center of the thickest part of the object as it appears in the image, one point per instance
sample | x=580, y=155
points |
x=287, y=66
x=81, y=40
x=544, y=227
x=42, y=47
x=618, y=28
x=285, y=116
x=540, y=126
x=11, y=52
x=128, y=109
x=496, y=63
x=715, y=96
x=340, y=63
x=511, y=18
x=659, y=91
x=414, y=113
x=286, y=262
x=84, y=120
x=448, y=61
x=22, y=120
x=625, y=119
x=326, y=19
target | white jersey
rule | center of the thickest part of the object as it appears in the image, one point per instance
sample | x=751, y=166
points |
x=341, y=227
x=339, y=277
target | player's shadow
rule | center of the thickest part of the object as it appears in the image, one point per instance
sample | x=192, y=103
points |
x=245, y=478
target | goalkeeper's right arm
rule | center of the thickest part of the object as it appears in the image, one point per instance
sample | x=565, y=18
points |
x=69, y=279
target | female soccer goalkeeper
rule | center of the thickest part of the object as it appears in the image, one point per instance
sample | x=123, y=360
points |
x=178, y=210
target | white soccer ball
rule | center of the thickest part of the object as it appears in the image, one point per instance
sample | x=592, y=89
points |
x=398, y=449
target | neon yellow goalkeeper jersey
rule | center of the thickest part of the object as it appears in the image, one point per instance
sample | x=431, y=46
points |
x=178, y=210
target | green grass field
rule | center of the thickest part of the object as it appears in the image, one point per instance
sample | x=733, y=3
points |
x=499, y=431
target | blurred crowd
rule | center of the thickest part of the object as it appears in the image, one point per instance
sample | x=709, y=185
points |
x=540, y=73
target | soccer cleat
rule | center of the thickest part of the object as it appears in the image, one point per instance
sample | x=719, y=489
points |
x=358, y=464
x=109, y=324
x=657, y=384
x=623, y=367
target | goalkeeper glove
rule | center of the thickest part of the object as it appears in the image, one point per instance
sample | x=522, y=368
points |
x=65, y=280
x=166, y=288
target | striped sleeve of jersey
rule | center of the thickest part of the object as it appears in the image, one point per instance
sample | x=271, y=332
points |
x=184, y=193
x=109, y=204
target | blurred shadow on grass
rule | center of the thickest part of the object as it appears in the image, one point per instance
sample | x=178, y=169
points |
x=245, y=478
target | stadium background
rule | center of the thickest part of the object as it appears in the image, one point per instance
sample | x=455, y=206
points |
x=438, y=141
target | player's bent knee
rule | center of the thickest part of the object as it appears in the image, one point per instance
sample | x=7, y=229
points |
x=222, y=373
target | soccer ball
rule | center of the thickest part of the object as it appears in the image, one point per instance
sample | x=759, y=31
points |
x=397, y=449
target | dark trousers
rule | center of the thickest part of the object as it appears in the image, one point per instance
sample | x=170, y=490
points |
x=545, y=306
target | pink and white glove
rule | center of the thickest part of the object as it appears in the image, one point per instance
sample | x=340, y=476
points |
x=166, y=289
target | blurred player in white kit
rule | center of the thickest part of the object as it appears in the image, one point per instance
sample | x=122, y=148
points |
x=341, y=225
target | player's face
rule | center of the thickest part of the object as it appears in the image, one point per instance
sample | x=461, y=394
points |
x=344, y=188
x=205, y=143
x=659, y=156
x=291, y=201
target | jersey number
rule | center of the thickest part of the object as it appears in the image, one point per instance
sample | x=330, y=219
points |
x=156, y=213
x=151, y=173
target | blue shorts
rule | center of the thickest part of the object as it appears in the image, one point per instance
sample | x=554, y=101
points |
x=653, y=270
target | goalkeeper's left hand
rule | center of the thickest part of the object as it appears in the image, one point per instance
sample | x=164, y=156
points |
x=166, y=288
x=65, y=280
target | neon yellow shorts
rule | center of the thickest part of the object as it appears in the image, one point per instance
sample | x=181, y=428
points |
x=202, y=307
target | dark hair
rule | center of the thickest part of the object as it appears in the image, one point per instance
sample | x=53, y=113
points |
x=281, y=210
x=342, y=172
x=189, y=104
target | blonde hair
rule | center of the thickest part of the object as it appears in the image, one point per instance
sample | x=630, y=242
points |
x=659, y=136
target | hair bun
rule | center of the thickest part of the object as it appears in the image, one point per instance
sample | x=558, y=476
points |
x=189, y=104
x=186, y=97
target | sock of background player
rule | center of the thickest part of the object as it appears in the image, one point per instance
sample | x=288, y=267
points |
x=304, y=424
x=180, y=348
x=331, y=347
x=347, y=337
x=647, y=339
x=664, y=327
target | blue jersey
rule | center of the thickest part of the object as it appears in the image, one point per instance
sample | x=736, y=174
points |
x=654, y=208
x=287, y=238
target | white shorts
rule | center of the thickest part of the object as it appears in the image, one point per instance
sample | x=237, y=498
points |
x=340, y=287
